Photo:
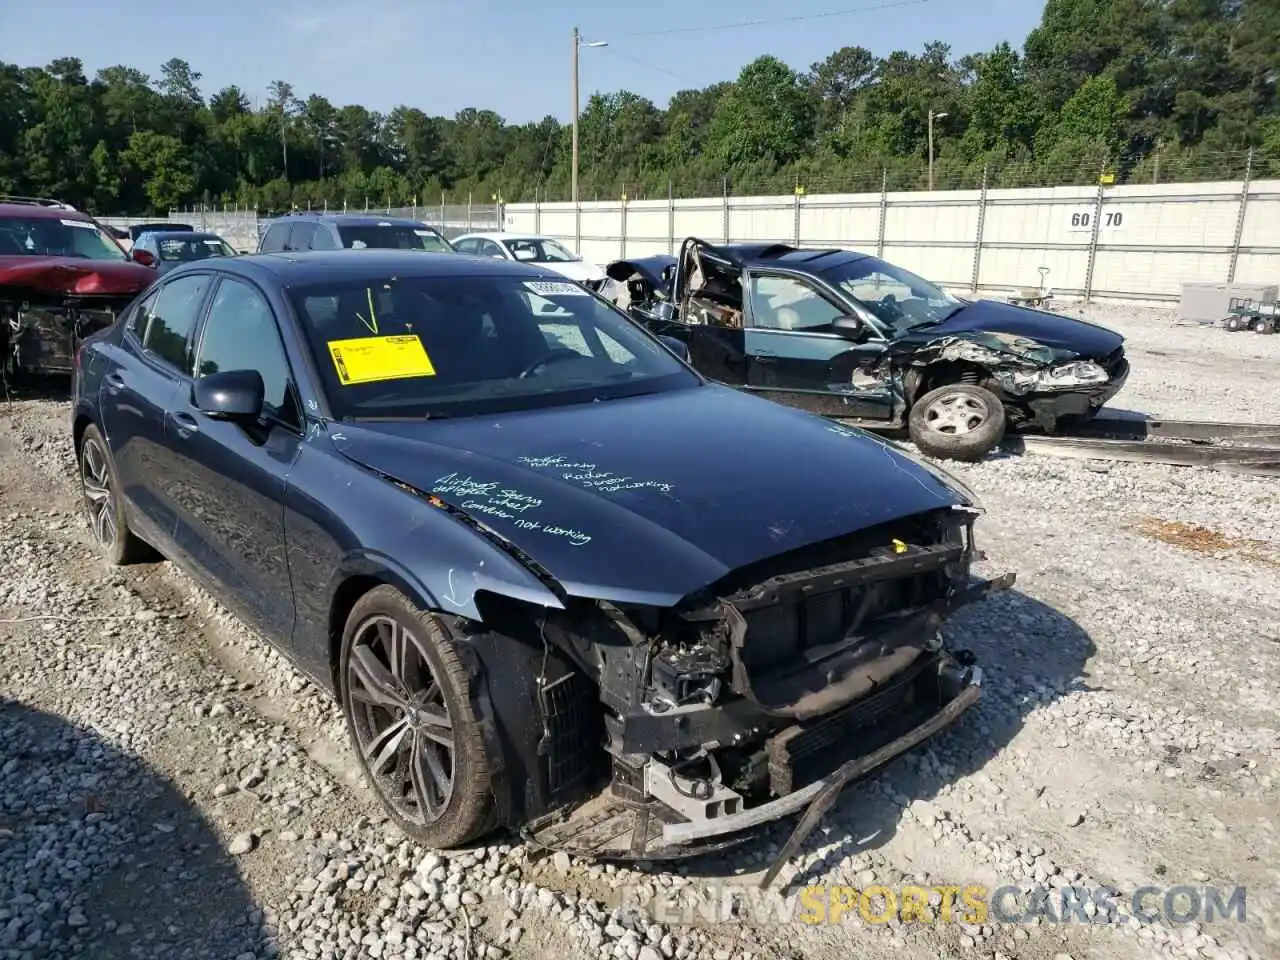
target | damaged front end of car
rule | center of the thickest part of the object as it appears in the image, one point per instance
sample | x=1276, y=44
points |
x=1039, y=385
x=47, y=311
x=757, y=698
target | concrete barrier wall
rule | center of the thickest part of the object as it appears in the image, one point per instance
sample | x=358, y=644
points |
x=1133, y=242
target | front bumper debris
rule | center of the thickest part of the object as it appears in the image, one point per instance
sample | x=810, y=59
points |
x=762, y=697
x=1050, y=407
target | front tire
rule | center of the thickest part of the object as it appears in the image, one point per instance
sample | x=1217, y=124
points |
x=104, y=505
x=957, y=422
x=413, y=721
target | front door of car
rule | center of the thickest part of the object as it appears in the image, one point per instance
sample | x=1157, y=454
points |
x=714, y=351
x=795, y=356
x=231, y=502
x=135, y=393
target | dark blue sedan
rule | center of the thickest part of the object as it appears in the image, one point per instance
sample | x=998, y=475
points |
x=556, y=578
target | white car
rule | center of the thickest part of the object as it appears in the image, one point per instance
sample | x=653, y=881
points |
x=527, y=248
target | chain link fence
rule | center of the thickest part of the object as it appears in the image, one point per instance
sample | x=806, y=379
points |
x=244, y=228
x=836, y=176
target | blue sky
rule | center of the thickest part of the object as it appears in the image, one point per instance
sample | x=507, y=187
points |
x=511, y=56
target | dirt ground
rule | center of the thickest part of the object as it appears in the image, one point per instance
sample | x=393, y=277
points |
x=170, y=787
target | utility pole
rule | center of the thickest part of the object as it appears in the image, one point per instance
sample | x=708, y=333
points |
x=932, y=117
x=578, y=44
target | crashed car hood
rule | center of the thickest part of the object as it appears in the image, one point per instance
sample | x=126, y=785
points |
x=1064, y=337
x=75, y=276
x=650, y=268
x=651, y=498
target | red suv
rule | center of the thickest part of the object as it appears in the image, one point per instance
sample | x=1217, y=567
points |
x=62, y=276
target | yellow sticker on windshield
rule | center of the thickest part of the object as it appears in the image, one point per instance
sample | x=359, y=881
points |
x=371, y=359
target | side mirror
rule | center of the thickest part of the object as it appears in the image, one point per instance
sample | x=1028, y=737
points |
x=230, y=395
x=677, y=346
x=142, y=257
x=851, y=328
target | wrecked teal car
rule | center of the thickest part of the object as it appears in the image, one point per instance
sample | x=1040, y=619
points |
x=850, y=336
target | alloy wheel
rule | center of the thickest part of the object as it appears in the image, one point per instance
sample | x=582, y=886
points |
x=402, y=723
x=956, y=414
x=95, y=481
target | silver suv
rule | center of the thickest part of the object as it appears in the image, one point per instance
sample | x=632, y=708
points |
x=338, y=231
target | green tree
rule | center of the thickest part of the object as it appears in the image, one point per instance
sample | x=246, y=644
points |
x=766, y=116
x=165, y=167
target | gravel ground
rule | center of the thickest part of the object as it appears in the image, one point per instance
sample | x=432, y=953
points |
x=170, y=787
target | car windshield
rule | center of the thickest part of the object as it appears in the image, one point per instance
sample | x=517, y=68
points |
x=56, y=237
x=897, y=297
x=391, y=236
x=180, y=250
x=539, y=250
x=398, y=346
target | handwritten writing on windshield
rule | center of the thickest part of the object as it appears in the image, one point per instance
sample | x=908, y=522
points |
x=590, y=476
x=494, y=500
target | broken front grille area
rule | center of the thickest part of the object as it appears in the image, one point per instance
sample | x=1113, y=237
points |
x=806, y=637
x=790, y=634
x=45, y=336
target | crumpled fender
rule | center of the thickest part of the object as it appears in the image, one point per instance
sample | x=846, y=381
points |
x=985, y=348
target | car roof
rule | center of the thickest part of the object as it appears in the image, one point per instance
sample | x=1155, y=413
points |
x=180, y=234
x=354, y=219
x=318, y=265
x=501, y=235
x=804, y=259
x=40, y=211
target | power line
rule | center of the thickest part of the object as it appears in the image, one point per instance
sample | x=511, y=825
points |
x=653, y=66
x=770, y=21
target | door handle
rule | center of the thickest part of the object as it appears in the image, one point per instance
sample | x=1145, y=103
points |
x=185, y=423
x=113, y=382
x=765, y=358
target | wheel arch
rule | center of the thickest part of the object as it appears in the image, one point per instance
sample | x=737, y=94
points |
x=450, y=592
x=81, y=419
x=499, y=642
x=939, y=373
x=359, y=574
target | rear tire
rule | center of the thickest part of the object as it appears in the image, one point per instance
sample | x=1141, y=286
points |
x=957, y=422
x=1233, y=324
x=1262, y=325
x=104, y=505
x=413, y=721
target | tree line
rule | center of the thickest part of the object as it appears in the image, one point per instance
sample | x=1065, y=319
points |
x=1140, y=90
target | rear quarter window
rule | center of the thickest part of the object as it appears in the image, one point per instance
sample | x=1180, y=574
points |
x=273, y=239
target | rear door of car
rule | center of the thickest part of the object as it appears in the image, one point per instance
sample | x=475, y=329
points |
x=794, y=357
x=230, y=505
x=153, y=363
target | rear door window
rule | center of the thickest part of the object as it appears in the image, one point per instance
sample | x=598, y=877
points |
x=173, y=318
x=273, y=240
x=136, y=323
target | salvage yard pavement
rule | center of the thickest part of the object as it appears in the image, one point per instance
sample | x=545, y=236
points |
x=170, y=787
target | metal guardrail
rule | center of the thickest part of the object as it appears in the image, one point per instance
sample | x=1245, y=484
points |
x=1199, y=443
